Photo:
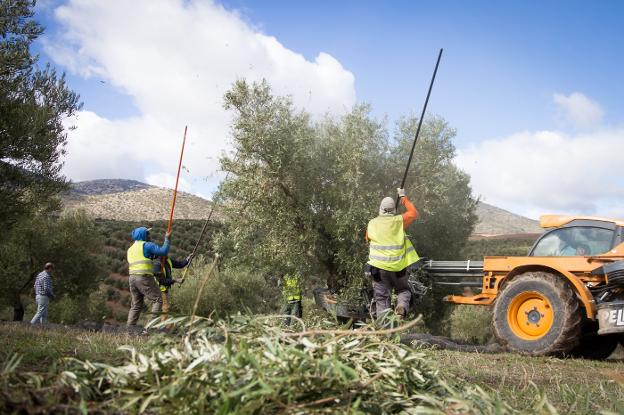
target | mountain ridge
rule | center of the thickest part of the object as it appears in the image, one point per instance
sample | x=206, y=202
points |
x=496, y=221
x=106, y=186
x=131, y=200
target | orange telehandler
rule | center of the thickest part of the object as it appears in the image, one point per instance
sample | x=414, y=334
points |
x=566, y=297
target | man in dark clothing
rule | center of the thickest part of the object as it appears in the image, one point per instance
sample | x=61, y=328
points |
x=43, y=293
x=142, y=284
x=165, y=279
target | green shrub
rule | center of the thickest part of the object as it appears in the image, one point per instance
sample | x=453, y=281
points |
x=120, y=267
x=125, y=300
x=70, y=310
x=435, y=311
x=121, y=284
x=66, y=310
x=97, y=308
x=120, y=255
x=226, y=292
x=110, y=292
x=121, y=315
x=6, y=313
x=470, y=323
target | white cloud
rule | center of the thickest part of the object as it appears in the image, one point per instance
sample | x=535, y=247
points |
x=535, y=173
x=96, y=146
x=176, y=59
x=578, y=109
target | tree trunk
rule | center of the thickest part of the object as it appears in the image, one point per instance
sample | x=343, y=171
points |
x=333, y=282
x=18, y=308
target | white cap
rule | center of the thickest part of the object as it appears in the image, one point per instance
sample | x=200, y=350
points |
x=387, y=206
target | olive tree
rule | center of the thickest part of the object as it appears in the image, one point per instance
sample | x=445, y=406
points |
x=34, y=102
x=71, y=242
x=301, y=191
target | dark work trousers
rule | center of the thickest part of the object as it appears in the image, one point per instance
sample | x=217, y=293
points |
x=143, y=286
x=383, y=284
x=292, y=308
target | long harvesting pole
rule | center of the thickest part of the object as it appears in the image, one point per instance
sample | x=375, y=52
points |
x=175, y=194
x=420, y=121
x=201, y=237
x=175, y=191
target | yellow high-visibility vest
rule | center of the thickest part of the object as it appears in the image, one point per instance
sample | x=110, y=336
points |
x=390, y=249
x=138, y=264
x=158, y=269
x=292, y=288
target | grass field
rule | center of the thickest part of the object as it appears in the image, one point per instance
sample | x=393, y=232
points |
x=41, y=348
x=571, y=386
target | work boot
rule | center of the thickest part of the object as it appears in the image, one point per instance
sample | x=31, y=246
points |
x=401, y=312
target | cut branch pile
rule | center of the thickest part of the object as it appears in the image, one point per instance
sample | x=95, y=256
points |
x=251, y=365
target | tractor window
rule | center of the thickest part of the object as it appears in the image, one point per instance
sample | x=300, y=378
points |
x=574, y=241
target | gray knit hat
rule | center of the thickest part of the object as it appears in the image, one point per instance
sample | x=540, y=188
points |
x=387, y=206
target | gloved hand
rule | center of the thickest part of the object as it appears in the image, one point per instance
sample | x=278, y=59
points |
x=401, y=192
x=167, y=235
x=190, y=257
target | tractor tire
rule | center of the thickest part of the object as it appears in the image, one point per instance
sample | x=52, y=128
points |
x=595, y=347
x=537, y=313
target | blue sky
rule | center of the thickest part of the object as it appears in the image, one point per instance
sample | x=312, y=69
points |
x=502, y=63
x=539, y=80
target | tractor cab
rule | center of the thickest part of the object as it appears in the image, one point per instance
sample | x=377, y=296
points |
x=568, y=236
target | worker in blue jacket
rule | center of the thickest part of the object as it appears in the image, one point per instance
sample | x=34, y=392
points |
x=141, y=281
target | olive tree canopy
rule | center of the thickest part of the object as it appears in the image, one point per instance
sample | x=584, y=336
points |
x=34, y=102
x=301, y=191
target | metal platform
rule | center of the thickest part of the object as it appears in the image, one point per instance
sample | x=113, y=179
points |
x=458, y=273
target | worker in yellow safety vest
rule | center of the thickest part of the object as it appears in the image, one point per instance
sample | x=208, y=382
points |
x=292, y=294
x=390, y=253
x=142, y=284
x=164, y=278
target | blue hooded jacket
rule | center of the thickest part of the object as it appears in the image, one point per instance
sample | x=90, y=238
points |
x=150, y=249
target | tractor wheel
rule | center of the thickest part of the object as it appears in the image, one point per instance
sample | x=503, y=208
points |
x=537, y=313
x=595, y=347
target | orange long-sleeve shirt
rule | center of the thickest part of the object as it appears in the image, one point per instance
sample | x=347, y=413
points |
x=409, y=216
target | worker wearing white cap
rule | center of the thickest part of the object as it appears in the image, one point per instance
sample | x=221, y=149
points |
x=390, y=253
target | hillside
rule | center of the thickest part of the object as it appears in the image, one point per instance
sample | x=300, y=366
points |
x=497, y=221
x=130, y=200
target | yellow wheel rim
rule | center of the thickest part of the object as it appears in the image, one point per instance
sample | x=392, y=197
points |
x=530, y=315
